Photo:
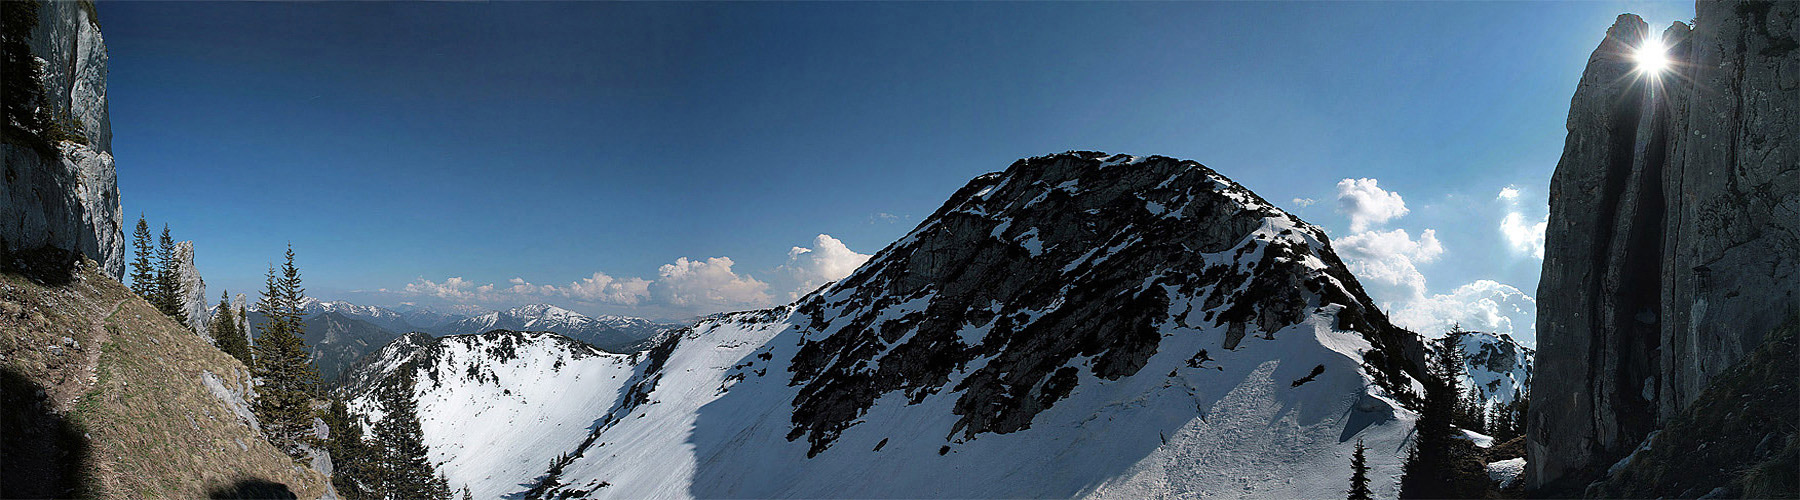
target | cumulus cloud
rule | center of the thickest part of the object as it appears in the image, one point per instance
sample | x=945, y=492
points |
x=1483, y=305
x=454, y=288
x=1387, y=261
x=602, y=288
x=828, y=260
x=1304, y=202
x=707, y=284
x=1522, y=237
x=1366, y=204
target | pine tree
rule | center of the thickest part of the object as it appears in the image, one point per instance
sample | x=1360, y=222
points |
x=352, y=460
x=1472, y=412
x=1430, y=470
x=169, y=290
x=143, y=273
x=284, y=365
x=466, y=494
x=1359, y=474
x=226, y=334
x=406, y=471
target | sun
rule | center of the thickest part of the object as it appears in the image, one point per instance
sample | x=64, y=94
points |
x=1652, y=58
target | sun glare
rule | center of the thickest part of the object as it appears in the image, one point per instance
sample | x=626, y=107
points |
x=1652, y=57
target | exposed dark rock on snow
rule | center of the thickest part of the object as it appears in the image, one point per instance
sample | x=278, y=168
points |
x=61, y=201
x=1674, y=238
x=1062, y=257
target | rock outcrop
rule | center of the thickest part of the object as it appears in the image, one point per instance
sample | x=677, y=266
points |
x=193, y=290
x=1673, y=244
x=59, y=197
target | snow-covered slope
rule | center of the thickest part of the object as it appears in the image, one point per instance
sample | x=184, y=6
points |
x=613, y=333
x=497, y=408
x=1078, y=325
x=1498, y=366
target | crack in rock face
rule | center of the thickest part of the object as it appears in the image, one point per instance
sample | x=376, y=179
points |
x=1073, y=262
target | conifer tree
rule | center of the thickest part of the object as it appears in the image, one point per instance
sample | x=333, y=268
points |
x=1430, y=470
x=352, y=460
x=226, y=334
x=168, y=290
x=406, y=470
x=1359, y=474
x=143, y=273
x=284, y=365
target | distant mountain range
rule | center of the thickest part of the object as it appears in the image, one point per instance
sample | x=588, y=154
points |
x=622, y=334
x=340, y=333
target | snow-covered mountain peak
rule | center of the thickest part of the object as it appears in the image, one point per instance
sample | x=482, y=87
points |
x=1498, y=366
x=1142, y=326
x=1079, y=325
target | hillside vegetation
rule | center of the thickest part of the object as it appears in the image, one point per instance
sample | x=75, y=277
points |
x=105, y=397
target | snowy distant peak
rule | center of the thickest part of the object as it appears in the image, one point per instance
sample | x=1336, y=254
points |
x=614, y=333
x=309, y=305
x=1498, y=365
x=1065, y=268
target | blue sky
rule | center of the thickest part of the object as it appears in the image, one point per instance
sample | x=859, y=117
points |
x=408, y=143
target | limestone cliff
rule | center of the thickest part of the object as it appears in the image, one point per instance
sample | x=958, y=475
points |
x=193, y=290
x=59, y=198
x=1673, y=245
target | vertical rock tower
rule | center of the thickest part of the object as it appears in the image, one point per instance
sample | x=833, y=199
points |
x=1673, y=245
x=59, y=197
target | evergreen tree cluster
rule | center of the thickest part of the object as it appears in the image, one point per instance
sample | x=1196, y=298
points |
x=155, y=274
x=1508, y=420
x=392, y=463
x=226, y=334
x=1438, y=465
x=283, y=366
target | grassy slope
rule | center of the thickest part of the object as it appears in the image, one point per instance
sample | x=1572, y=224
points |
x=112, y=369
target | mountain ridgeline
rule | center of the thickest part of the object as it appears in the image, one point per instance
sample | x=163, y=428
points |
x=1081, y=324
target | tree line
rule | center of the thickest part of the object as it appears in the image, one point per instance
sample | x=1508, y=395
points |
x=391, y=463
x=1441, y=463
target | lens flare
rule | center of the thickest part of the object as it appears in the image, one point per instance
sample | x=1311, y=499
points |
x=1652, y=57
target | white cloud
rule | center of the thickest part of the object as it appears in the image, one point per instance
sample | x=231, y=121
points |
x=1385, y=261
x=1304, y=202
x=828, y=260
x=605, y=289
x=1483, y=305
x=707, y=284
x=1366, y=204
x=454, y=288
x=1523, y=238
x=884, y=217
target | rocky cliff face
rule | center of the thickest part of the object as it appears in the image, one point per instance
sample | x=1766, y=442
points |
x=62, y=200
x=193, y=297
x=1674, y=238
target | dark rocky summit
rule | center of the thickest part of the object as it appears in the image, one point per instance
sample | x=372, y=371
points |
x=1673, y=246
x=59, y=197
